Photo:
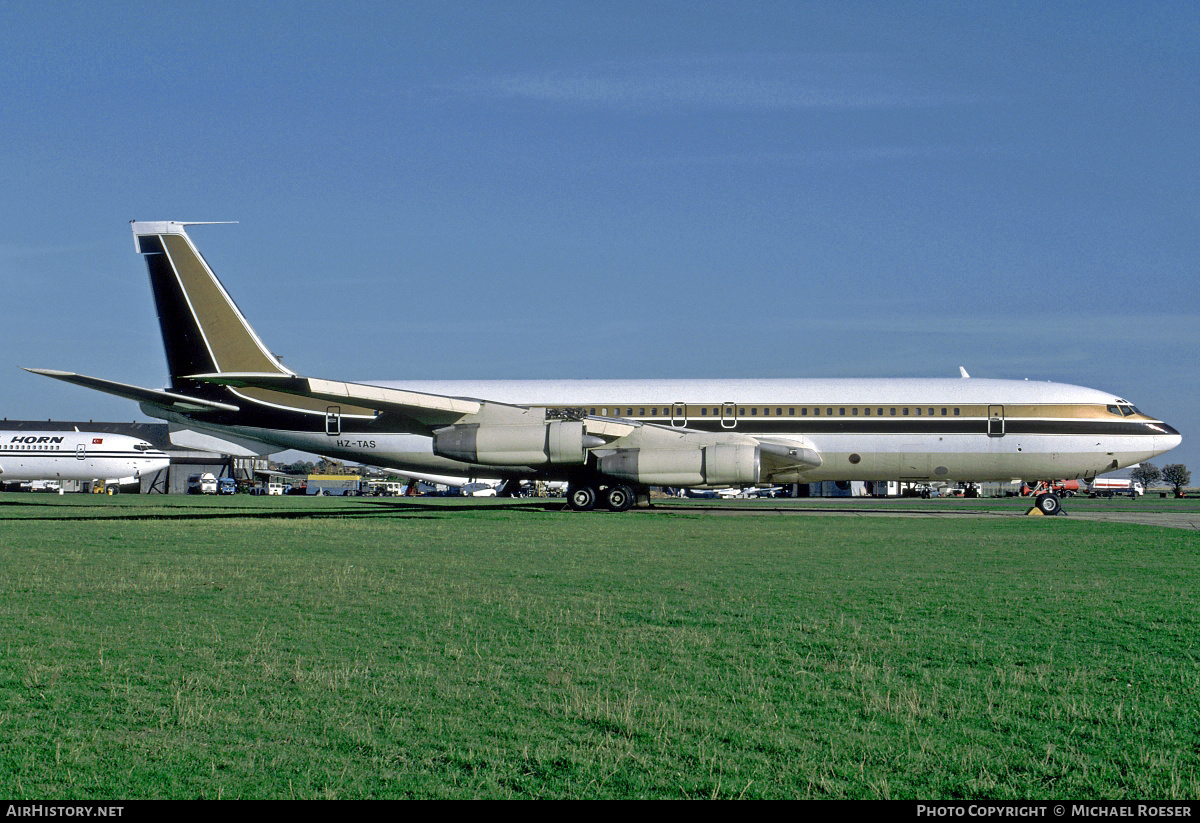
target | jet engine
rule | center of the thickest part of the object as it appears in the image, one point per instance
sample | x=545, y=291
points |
x=710, y=465
x=558, y=443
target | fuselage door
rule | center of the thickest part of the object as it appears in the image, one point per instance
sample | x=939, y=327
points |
x=995, y=421
x=81, y=452
x=333, y=421
x=678, y=415
x=728, y=415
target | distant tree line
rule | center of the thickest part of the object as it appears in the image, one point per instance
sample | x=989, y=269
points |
x=322, y=467
x=1175, y=475
x=299, y=467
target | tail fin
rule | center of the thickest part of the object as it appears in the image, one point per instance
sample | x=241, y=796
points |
x=203, y=330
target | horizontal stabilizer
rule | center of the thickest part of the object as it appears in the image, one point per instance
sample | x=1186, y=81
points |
x=427, y=409
x=155, y=397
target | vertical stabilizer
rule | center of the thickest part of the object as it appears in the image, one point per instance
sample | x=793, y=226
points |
x=203, y=330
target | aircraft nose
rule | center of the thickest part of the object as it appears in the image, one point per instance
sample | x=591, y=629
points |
x=1169, y=440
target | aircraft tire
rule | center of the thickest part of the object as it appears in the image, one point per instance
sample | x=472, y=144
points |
x=582, y=498
x=1048, y=503
x=619, y=498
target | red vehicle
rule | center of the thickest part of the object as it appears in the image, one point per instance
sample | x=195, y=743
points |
x=1062, y=488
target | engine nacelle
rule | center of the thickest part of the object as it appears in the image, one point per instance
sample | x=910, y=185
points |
x=714, y=465
x=558, y=443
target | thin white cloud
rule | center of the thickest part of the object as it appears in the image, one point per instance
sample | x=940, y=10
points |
x=820, y=158
x=17, y=251
x=1132, y=330
x=771, y=82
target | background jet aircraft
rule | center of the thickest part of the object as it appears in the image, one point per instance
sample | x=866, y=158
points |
x=76, y=455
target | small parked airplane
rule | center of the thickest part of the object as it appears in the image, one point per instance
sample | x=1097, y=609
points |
x=613, y=439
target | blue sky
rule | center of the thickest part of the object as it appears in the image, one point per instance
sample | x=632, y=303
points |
x=511, y=189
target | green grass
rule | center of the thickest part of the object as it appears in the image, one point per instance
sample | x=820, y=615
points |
x=254, y=647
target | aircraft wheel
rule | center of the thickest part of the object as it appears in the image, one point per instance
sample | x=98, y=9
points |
x=582, y=498
x=1048, y=503
x=619, y=498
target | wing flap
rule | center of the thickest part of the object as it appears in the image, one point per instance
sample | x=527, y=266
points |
x=610, y=429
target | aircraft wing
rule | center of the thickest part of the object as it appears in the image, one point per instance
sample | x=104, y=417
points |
x=782, y=459
x=157, y=397
x=427, y=411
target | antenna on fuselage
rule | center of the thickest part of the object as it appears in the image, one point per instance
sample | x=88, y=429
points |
x=963, y=372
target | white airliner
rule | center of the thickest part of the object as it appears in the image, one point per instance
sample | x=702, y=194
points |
x=736, y=492
x=76, y=455
x=613, y=439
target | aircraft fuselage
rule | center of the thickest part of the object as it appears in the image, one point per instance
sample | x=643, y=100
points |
x=967, y=430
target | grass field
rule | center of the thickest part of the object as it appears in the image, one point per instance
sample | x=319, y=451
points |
x=283, y=647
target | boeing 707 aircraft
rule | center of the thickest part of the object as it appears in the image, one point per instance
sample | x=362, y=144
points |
x=613, y=439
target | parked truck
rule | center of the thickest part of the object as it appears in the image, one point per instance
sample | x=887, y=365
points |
x=1115, y=487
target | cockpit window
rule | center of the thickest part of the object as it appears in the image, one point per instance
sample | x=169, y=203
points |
x=142, y=446
x=1113, y=410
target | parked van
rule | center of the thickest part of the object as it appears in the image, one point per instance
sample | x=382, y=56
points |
x=205, y=483
x=271, y=486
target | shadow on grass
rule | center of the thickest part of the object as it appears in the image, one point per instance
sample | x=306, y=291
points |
x=156, y=507
x=359, y=509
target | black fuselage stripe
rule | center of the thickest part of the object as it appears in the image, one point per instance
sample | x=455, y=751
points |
x=254, y=415
x=920, y=427
x=72, y=455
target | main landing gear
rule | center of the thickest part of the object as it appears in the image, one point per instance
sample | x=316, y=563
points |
x=584, y=497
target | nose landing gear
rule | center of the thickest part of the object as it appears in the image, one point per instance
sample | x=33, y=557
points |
x=1047, y=503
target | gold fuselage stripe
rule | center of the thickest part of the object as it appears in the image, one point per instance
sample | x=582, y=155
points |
x=696, y=411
